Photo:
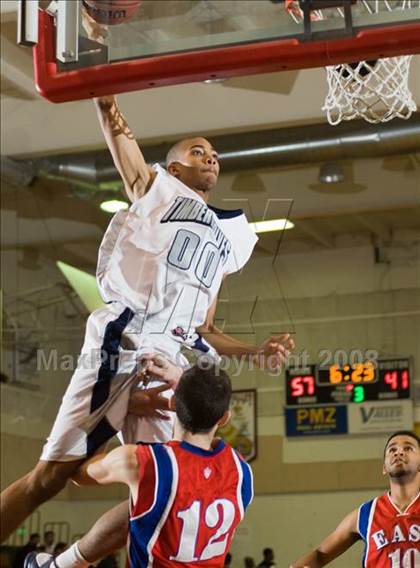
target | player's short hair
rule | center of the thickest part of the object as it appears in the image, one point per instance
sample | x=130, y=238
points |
x=202, y=397
x=408, y=433
x=173, y=153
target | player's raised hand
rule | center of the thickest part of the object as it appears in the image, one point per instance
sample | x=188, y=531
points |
x=274, y=351
x=156, y=366
x=150, y=403
x=94, y=30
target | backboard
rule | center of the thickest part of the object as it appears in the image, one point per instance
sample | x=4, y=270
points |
x=180, y=41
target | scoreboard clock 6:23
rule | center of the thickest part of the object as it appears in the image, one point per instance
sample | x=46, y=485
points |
x=381, y=380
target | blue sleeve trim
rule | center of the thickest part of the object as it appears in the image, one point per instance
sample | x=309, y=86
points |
x=363, y=521
x=143, y=528
x=247, y=489
x=226, y=213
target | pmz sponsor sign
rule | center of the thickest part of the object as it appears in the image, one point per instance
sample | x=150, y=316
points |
x=380, y=417
x=316, y=420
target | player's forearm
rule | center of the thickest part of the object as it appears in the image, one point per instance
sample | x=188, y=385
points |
x=124, y=149
x=226, y=344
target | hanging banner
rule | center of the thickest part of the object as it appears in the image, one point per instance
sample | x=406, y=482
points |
x=241, y=431
x=316, y=421
x=381, y=417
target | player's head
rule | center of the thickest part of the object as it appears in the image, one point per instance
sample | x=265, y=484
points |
x=49, y=537
x=402, y=456
x=35, y=538
x=268, y=554
x=194, y=161
x=202, y=399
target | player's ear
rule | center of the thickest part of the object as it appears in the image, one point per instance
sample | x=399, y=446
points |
x=383, y=469
x=224, y=419
x=174, y=169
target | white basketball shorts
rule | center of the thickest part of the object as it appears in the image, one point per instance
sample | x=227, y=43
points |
x=94, y=407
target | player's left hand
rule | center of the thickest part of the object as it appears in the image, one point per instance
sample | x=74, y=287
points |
x=155, y=366
x=273, y=352
x=94, y=30
x=150, y=403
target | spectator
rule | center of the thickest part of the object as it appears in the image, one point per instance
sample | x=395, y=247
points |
x=30, y=546
x=268, y=558
x=228, y=559
x=59, y=548
x=49, y=538
x=4, y=378
x=249, y=562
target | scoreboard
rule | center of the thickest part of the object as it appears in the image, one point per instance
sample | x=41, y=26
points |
x=371, y=381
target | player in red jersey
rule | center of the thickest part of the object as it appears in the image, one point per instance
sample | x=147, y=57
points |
x=187, y=495
x=390, y=524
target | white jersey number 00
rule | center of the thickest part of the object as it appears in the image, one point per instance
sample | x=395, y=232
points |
x=183, y=251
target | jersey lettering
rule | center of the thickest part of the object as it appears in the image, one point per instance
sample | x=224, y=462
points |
x=190, y=519
x=183, y=250
x=185, y=209
x=414, y=533
x=380, y=539
x=221, y=511
x=398, y=535
x=408, y=559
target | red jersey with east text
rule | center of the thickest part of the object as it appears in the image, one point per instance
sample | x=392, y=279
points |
x=189, y=504
x=392, y=537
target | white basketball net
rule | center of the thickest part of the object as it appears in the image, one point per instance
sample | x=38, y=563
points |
x=376, y=91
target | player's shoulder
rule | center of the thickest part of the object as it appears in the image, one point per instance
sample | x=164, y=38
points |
x=240, y=463
x=160, y=186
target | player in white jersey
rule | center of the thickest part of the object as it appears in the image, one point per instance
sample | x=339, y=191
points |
x=161, y=265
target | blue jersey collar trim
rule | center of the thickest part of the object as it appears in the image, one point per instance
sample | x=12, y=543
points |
x=226, y=213
x=200, y=452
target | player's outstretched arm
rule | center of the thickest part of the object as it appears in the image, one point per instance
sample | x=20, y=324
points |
x=271, y=354
x=336, y=543
x=128, y=159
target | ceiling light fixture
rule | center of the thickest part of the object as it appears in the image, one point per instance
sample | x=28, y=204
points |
x=337, y=179
x=331, y=172
x=271, y=225
x=113, y=205
x=214, y=81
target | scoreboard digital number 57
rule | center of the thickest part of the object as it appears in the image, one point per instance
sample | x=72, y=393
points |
x=387, y=379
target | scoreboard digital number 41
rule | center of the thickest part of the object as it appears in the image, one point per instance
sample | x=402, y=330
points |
x=387, y=379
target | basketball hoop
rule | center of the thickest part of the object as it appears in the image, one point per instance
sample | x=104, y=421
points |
x=374, y=90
